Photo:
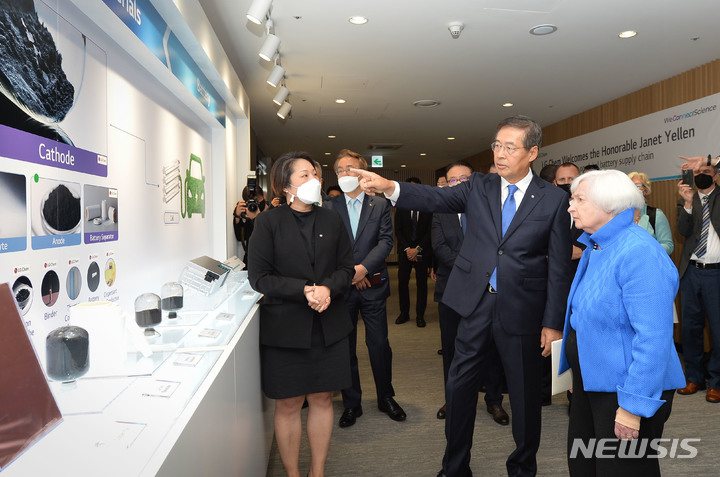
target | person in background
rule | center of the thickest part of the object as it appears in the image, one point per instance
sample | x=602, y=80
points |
x=591, y=167
x=369, y=228
x=618, y=337
x=318, y=171
x=565, y=174
x=547, y=173
x=301, y=261
x=651, y=218
x=412, y=229
x=441, y=181
x=447, y=239
x=699, y=222
x=334, y=191
x=243, y=219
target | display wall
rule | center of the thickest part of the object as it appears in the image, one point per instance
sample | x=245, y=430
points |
x=112, y=172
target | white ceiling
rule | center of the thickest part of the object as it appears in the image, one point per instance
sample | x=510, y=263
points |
x=405, y=53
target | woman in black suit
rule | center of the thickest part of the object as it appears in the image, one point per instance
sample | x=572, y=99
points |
x=301, y=261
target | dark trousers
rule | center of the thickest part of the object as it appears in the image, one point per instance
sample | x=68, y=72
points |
x=492, y=370
x=592, y=416
x=700, y=299
x=376, y=338
x=405, y=266
x=520, y=357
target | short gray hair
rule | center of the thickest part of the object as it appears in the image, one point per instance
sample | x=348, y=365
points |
x=611, y=190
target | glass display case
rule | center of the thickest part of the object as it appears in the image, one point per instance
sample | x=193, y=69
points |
x=129, y=424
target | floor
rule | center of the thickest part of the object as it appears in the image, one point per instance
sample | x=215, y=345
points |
x=378, y=446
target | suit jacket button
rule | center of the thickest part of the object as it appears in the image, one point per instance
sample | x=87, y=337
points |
x=500, y=252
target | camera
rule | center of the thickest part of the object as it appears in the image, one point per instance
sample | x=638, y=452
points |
x=251, y=203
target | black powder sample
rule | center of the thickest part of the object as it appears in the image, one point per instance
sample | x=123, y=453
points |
x=32, y=73
x=62, y=209
x=68, y=353
x=172, y=303
x=22, y=295
x=147, y=318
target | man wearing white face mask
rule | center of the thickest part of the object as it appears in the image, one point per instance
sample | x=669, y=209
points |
x=369, y=226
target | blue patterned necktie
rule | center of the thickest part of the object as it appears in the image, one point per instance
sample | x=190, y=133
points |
x=354, y=216
x=701, y=247
x=508, y=212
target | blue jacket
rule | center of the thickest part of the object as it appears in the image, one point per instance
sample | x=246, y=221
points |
x=620, y=306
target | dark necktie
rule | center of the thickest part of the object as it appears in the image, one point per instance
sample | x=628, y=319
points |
x=463, y=223
x=414, y=220
x=701, y=247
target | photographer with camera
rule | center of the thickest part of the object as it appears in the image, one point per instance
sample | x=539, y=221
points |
x=252, y=204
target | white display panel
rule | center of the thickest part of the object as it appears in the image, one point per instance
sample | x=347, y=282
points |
x=139, y=222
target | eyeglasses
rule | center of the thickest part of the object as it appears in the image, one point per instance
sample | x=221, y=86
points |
x=497, y=147
x=454, y=181
x=341, y=171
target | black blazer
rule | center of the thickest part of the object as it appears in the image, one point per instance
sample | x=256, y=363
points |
x=279, y=268
x=374, y=240
x=532, y=258
x=403, y=231
x=690, y=226
x=447, y=238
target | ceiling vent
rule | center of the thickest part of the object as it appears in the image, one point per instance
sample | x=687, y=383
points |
x=385, y=147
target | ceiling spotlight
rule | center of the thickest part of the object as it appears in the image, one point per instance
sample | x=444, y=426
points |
x=328, y=153
x=284, y=110
x=258, y=11
x=451, y=139
x=423, y=154
x=540, y=30
x=281, y=96
x=358, y=20
x=455, y=29
x=508, y=105
x=331, y=137
x=340, y=101
x=403, y=165
x=269, y=48
x=276, y=76
x=628, y=34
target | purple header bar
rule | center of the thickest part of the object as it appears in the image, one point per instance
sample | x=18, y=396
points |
x=23, y=146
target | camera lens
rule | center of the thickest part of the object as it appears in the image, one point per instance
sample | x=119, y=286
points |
x=252, y=206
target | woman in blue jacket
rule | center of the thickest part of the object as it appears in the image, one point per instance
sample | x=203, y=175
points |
x=618, y=333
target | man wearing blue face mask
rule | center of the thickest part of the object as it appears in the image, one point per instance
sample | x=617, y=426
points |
x=699, y=222
x=368, y=223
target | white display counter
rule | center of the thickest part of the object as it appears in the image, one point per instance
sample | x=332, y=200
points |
x=197, y=410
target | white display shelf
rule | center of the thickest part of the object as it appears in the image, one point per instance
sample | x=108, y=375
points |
x=129, y=425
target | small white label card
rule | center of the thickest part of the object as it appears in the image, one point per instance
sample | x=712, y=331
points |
x=225, y=316
x=209, y=333
x=187, y=359
x=161, y=388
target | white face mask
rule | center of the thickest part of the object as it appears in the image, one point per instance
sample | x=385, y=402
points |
x=348, y=183
x=308, y=193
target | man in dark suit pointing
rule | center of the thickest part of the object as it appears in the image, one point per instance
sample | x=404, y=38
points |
x=509, y=283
